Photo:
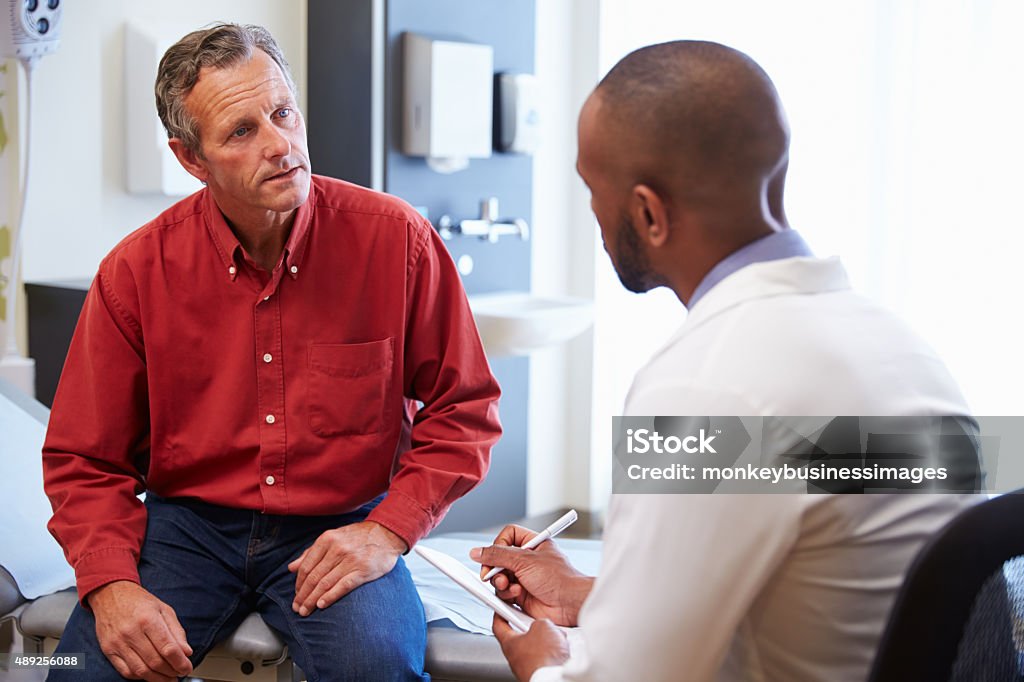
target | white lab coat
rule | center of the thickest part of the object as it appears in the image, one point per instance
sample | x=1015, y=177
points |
x=765, y=587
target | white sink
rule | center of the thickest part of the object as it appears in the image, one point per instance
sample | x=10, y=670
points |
x=518, y=323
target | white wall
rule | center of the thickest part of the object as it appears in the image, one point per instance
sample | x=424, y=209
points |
x=78, y=207
x=560, y=470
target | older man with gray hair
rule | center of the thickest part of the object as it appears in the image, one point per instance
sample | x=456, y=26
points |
x=250, y=359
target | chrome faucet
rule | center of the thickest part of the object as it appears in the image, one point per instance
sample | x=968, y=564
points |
x=486, y=227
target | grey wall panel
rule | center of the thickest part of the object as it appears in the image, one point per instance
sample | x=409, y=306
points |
x=340, y=89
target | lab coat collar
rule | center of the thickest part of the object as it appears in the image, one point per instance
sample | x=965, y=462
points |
x=785, y=243
x=787, y=276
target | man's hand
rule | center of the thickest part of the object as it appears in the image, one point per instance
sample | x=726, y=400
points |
x=542, y=646
x=340, y=561
x=139, y=634
x=542, y=582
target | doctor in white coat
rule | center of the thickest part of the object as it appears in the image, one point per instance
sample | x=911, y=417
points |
x=684, y=147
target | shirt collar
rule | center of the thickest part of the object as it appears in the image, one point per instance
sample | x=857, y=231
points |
x=230, y=249
x=777, y=245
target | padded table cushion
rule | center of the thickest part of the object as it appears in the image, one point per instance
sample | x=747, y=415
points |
x=10, y=597
x=252, y=641
x=454, y=654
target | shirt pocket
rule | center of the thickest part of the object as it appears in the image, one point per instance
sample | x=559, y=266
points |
x=350, y=387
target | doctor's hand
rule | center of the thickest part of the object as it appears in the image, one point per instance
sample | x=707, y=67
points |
x=340, y=561
x=540, y=581
x=542, y=646
x=139, y=634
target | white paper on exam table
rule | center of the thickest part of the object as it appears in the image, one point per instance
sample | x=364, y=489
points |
x=444, y=600
x=27, y=550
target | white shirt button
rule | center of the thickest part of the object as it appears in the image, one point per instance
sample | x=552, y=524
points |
x=270, y=480
x=295, y=269
x=231, y=270
x=270, y=419
x=267, y=357
x=266, y=298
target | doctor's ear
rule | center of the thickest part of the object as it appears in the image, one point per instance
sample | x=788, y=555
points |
x=650, y=215
x=189, y=160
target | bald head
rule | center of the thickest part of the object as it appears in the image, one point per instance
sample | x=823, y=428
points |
x=684, y=147
x=695, y=118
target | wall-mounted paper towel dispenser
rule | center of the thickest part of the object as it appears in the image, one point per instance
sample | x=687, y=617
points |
x=448, y=101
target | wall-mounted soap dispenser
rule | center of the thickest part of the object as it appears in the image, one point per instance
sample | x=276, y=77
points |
x=448, y=101
x=517, y=123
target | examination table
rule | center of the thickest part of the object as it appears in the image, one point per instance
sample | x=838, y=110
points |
x=255, y=652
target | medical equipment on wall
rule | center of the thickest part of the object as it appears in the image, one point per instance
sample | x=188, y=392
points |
x=30, y=30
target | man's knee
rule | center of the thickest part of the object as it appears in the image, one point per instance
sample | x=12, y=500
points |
x=383, y=653
x=389, y=645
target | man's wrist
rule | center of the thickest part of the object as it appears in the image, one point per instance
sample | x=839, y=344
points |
x=106, y=589
x=393, y=539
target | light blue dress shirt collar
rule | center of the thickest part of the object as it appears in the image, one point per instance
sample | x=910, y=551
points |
x=783, y=244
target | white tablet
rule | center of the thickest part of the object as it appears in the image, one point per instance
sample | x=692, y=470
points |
x=470, y=581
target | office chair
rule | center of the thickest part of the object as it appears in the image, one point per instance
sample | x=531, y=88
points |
x=959, y=613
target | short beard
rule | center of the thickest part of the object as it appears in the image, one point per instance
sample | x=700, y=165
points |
x=631, y=264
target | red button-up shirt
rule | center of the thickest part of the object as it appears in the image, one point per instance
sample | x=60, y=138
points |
x=194, y=373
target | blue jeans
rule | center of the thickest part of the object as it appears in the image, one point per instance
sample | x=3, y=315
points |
x=215, y=565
